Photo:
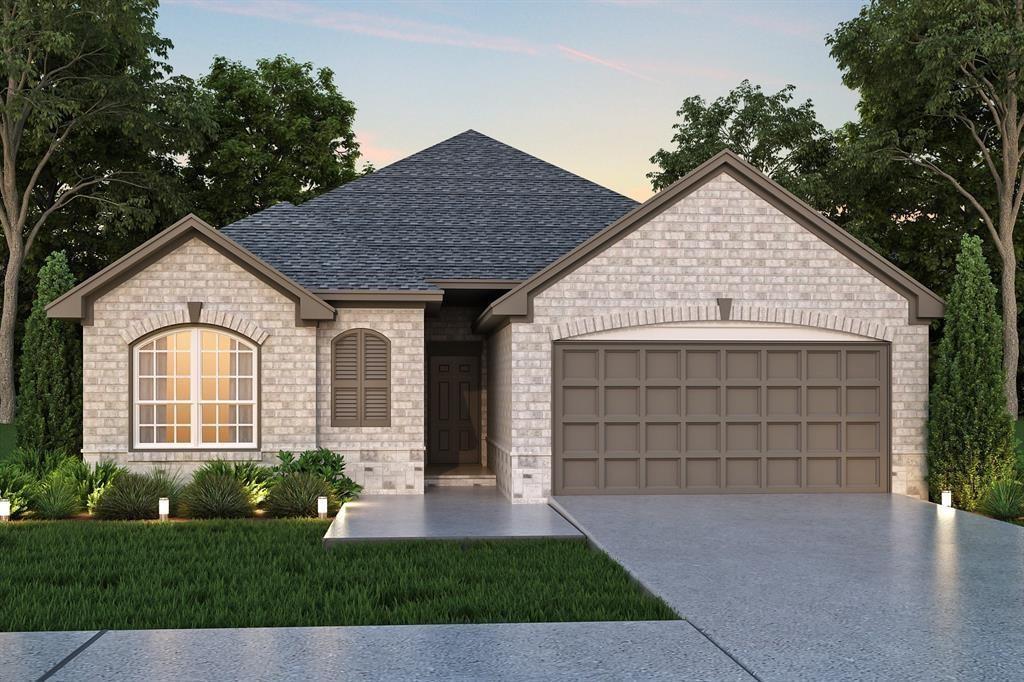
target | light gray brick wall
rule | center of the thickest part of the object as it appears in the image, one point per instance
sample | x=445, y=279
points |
x=500, y=397
x=720, y=241
x=387, y=459
x=157, y=296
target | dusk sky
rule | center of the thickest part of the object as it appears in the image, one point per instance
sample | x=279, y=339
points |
x=589, y=86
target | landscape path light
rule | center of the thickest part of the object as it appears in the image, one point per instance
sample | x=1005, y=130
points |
x=164, y=508
x=5, y=510
x=321, y=507
x=947, y=498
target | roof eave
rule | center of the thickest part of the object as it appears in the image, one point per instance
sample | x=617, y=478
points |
x=76, y=304
x=924, y=305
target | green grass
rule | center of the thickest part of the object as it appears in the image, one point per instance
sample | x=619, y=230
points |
x=123, y=575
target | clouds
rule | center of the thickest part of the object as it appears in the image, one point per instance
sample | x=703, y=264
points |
x=388, y=27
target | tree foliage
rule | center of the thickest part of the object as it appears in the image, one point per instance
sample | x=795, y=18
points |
x=49, y=416
x=280, y=132
x=786, y=141
x=970, y=432
x=940, y=90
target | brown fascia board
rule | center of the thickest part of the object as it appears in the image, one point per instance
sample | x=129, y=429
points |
x=924, y=306
x=474, y=284
x=77, y=303
x=380, y=295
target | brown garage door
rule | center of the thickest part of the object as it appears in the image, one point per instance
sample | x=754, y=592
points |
x=720, y=417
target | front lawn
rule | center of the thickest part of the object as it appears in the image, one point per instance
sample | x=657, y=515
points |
x=92, y=575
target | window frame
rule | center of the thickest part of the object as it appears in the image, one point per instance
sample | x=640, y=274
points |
x=361, y=421
x=195, y=392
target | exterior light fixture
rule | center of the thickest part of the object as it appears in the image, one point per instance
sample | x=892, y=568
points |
x=321, y=507
x=947, y=498
x=5, y=510
x=164, y=508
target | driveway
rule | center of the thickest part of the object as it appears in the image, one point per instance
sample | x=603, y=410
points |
x=827, y=586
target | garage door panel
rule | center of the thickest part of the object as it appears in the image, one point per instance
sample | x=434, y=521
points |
x=743, y=472
x=705, y=417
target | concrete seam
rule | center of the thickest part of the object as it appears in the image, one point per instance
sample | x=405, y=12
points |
x=554, y=504
x=70, y=657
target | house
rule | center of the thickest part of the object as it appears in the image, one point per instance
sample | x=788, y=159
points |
x=472, y=314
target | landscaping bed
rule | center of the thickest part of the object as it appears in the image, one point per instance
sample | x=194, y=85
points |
x=275, y=573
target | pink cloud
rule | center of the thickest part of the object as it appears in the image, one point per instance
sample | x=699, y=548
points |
x=372, y=151
x=577, y=55
x=379, y=26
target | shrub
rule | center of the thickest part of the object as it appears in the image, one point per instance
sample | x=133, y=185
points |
x=56, y=497
x=1003, y=500
x=295, y=495
x=215, y=496
x=970, y=432
x=103, y=474
x=15, y=485
x=36, y=462
x=135, y=496
x=324, y=463
x=49, y=412
x=255, y=478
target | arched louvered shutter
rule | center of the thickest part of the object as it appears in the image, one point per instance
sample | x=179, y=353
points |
x=361, y=386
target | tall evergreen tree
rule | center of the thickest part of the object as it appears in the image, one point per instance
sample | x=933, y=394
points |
x=49, y=412
x=970, y=432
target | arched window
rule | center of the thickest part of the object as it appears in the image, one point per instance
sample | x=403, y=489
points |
x=194, y=387
x=360, y=379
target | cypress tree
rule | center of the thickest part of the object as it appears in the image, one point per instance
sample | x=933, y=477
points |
x=49, y=409
x=971, y=440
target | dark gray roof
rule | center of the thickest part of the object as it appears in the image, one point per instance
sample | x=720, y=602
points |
x=468, y=207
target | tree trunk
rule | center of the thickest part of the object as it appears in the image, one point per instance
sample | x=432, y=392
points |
x=8, y=318
x=1011, y=347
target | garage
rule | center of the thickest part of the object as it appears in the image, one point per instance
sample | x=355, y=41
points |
x=720, y=417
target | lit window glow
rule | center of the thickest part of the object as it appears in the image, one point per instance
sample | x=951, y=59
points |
x=195, y=388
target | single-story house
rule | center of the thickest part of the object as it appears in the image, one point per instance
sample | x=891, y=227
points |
x=474, y=315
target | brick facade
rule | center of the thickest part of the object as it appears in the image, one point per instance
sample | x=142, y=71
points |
x=720, y=241
x=294, y=369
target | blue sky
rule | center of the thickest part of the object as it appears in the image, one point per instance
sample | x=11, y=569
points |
x=590, y=86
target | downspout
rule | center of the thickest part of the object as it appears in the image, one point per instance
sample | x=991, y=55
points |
x=316, y=386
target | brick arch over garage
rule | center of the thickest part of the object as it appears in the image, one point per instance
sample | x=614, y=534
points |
x=217, y=318
x=703, y=313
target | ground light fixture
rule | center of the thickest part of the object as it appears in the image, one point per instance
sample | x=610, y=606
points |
x=947, y=498
x=164, y=508
x=321, y=507
x=5, y=510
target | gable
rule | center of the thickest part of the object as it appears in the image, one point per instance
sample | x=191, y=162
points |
x=761, y=197
x=77, y=303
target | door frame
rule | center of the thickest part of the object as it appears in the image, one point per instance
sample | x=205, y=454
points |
x=452, y=349
x=885, y=474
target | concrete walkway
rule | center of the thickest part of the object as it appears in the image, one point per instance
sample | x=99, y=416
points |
x=664, y=650
x=828, y=587
x=446, y=513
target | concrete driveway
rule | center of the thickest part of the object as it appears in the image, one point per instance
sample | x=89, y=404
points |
x=827, y=586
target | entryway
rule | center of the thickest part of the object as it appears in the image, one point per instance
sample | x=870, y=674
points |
x=453, y=417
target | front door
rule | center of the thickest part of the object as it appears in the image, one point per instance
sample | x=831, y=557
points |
x=453, y=408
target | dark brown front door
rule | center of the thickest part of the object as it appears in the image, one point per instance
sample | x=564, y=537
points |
x=453, y=408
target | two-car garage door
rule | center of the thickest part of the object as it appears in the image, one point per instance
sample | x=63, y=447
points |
x=713, y=417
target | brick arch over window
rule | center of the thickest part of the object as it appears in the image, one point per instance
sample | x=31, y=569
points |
x=360, y=379
x=744, y=313
x=217, y=318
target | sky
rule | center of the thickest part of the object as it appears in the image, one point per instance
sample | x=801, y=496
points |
x=592, y=87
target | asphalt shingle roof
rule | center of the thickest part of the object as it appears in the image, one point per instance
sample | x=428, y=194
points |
x=468, y=207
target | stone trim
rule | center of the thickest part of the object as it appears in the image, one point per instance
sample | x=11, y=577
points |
x=710, y=312
x=217, y=318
